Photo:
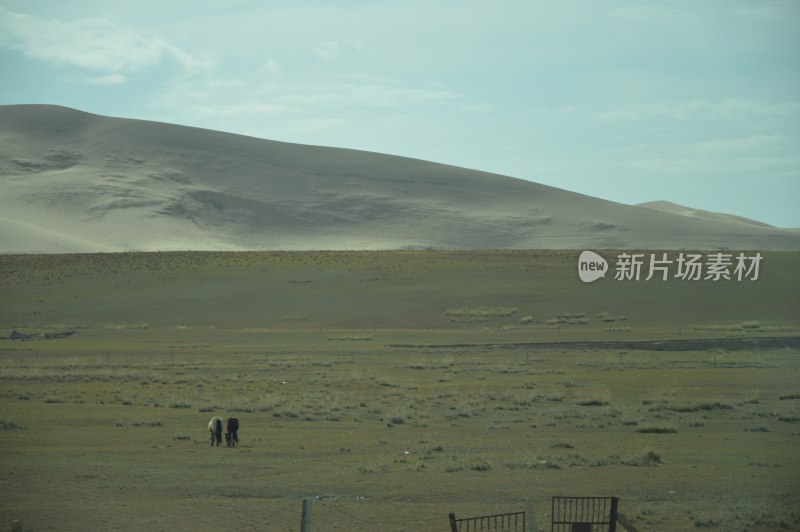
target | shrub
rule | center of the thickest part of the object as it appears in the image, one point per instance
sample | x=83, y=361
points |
x=591, y=402
x=650, y=458
x=657, y=430
x=9, y=425
x=481, y=466
x=481, y=311
x=706, y=406
x=148, y=424
x=706, y=523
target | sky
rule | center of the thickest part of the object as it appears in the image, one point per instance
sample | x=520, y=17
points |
x=694, y=102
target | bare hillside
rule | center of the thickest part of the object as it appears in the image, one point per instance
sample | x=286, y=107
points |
x=73, y=181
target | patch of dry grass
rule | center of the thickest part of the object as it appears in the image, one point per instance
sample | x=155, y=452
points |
x=110, y=424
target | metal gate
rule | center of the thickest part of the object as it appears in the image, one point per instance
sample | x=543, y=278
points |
x=584, y=514
x=513, y=522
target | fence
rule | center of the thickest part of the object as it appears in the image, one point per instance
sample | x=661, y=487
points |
x=511, y=522
x=584, y=514
x=569, y=514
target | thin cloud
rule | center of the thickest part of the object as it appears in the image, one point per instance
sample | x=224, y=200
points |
x=90, y=43
x=272, y=67
x=770, y=9
x=107, y=79
x=367, y=95
x=327, y=50
x=742, y=146
x=650, y=12
x=234, y=99
x=691, y=110
x=760, y=155
x=225, y=83
x=246, y=109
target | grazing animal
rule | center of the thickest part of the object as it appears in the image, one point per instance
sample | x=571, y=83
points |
x=232, y=431
x=215, y=430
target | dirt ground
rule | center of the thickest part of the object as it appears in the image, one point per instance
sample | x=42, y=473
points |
x=398, y=440
x=120, y=360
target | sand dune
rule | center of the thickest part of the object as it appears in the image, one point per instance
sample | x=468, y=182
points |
x=674, y=208
x=73, y=181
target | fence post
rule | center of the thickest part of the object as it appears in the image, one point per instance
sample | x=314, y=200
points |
x=16, y=525
x=530, y=517
x=305, y=519
x=453, y=524
x=612, y=526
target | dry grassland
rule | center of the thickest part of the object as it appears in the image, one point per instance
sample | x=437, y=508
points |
x=105, y=429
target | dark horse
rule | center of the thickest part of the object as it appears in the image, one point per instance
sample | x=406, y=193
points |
x=232, y=431
x=215, y=430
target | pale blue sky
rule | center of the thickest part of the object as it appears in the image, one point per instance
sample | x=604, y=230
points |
x=695, y=102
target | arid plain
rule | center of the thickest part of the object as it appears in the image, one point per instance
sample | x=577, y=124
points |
x=391, y=388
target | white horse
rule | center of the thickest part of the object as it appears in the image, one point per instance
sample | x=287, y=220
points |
x=215, y=430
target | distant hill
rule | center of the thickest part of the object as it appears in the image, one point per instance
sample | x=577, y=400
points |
x=74, y=181
x=674, y=208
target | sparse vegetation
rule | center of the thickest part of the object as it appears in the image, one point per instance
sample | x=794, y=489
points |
x=657, y=430
x=591, y=402
x=9, y=425
x=476, y=420
x=650, y=458
x=481, y=311
x=701, y=406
